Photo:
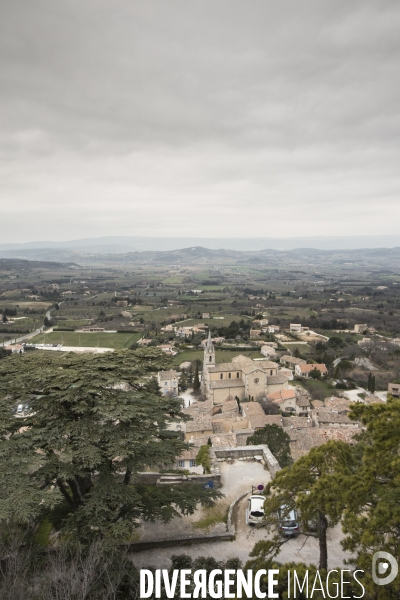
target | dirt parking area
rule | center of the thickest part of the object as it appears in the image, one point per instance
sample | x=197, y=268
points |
x=237, y=478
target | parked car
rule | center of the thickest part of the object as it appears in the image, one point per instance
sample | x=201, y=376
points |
x=288, y=521
x=255, y=510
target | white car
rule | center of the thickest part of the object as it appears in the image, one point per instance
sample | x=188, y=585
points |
x=255, y=510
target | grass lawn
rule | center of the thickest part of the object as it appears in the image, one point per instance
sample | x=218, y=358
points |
x=212, y=516
x=38, y=306
x=304, y=349
x=215, y=322
x=220, y=355
x=318, y=388
x=73, y=322
x=173, y=280
x=101, y=340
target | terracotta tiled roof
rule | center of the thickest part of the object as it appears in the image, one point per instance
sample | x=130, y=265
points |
x=308, y=368
x=252, y=408
x=302, y=440
x=199, y=425
x=302, y=401
x=325, y=415
x=340, y=434
x=292, y=359
x=296, y=422
x=230, y=406
x=281, y=395
x=189, y=454
x=168, y=374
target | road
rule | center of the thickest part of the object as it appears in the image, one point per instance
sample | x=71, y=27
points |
x=29, y=336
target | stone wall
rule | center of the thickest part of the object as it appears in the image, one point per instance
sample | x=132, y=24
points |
x=249, y=452
x=152, y=478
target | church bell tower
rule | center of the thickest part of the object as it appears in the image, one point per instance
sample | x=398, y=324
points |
x=209, y=352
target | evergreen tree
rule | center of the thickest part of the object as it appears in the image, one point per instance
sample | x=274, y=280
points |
x=196, y=380
x=277, y=440
x=373, y=383
x=372, y=517
x=315, y=485
x=95, y=421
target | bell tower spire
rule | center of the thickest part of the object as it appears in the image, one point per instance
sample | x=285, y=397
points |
x=209, y=351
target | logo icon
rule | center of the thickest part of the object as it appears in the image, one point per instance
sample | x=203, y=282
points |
x=382, y=563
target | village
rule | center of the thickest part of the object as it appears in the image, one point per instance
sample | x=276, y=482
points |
x=249, y=357
x=238, y=398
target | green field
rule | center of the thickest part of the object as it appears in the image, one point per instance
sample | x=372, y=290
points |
x=92, y=340
x=224, y=322
x=73, y=322
x=220, y=355
x=302, y=348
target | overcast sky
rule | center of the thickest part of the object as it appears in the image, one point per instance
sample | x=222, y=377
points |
x=206, y=117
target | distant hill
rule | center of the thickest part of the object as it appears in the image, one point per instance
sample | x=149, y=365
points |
x=125, y=244
x=8, y=264
x=380, y=258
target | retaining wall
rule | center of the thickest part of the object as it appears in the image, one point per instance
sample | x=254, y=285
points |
x=250, y=452
x=151, y=478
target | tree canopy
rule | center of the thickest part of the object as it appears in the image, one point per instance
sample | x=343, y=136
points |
x=277, y=440
x=314, y=485
x=372, y=517
x=93, y=423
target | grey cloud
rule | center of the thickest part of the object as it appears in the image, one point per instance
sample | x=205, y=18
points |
x=148, y=117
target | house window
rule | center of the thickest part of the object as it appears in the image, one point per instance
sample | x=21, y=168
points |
x=230, y=375
x=237, y=375
x=256, y=381
x=181, y=463
x=210, y=359
x=221, y=376
x=192, y=463
x=271, y=372
x=166, y=383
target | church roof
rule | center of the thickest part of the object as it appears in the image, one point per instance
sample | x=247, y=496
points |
x=223, y=367
x=250, y=368
x=241, y=360
x=226, y=383
x=267, y=364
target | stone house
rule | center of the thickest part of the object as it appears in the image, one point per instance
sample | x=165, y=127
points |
x=187, y=461
x=198, y=428
x=168, y=382
x=394, y=389
x=285, y=399
x=302, y=405
x=304, y=370
x=291, y=361
x=268, y=351
x=257, y=419
x=15, y=348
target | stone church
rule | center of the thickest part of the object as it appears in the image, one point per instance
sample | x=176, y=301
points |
x=241, y=378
